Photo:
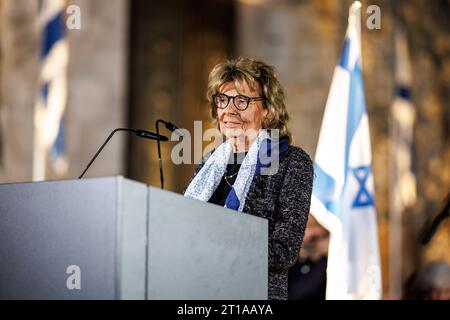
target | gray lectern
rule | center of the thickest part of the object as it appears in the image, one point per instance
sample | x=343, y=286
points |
x=113, y=238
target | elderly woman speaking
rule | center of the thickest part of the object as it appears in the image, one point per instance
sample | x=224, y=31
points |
x=256, y=170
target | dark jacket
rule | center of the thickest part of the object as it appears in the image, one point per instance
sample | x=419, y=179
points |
x=284, y=200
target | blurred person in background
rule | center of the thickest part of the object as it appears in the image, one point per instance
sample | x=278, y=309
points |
x=430, y=282
x=307, y=278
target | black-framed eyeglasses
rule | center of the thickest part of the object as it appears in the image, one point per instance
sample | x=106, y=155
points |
x=240, y=101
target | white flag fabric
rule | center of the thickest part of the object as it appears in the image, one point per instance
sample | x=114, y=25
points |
x=343, y=192
x=403, y=116
x=49, y=120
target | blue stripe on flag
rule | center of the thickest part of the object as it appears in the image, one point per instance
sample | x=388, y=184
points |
x=343, y=62
x=58, y=148
x=323, y=188
x=356, y=108
x=403, y=92
x=44, y=93
x=52, y=33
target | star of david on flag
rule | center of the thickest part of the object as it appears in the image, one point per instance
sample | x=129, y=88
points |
x=363, y=198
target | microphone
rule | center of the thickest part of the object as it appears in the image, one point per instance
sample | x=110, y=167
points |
x=443, y=214
x=173, y=128
x=170, y=126
x=139, y=133
x=150, y=135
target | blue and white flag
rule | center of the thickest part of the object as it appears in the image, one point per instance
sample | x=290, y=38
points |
x=402, y=178
x=343, y=192
x=50, y=107
x=403, y=116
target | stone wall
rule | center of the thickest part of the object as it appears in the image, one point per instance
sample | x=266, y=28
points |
x=18, y=79
x=97, y=77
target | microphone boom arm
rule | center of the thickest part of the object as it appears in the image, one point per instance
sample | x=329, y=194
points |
x=442, y=215
x=173, y=128
x=161, y=178
x=139, y=133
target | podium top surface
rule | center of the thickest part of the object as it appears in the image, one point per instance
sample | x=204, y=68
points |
x=117, y=177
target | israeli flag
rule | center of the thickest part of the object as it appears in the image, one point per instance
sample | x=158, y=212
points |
x=343, y=193
x=51, y=98
x=402, y=168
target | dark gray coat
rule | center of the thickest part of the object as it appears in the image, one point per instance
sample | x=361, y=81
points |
x=284, y=200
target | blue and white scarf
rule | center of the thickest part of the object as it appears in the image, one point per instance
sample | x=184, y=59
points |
x=208, y=178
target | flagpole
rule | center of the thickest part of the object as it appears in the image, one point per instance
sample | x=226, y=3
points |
x=354, y=18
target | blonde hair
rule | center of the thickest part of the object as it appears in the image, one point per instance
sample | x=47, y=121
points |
x=252, y=71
